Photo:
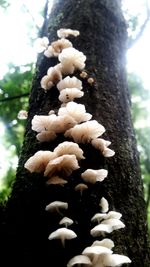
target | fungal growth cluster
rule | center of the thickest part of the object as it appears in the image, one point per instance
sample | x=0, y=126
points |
x=77, y=126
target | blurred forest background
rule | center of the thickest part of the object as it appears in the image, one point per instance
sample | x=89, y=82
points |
x=21, y=23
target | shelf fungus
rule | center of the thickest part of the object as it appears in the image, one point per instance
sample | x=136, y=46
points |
x=69, y=82
x=53, y=76
x=76, y=111
x=62, y=234
x=93, y=176
x=66, y=221
x=56, y=47
x=81, y=187
x=63, y=33
x=69, y=148
x=106, y=226
x=104, y=205
x=39, y=161
x=79, y=260
x=55, y=206
x=71, y=60
x=56, y=180
x=65, y=165
x=69, y=94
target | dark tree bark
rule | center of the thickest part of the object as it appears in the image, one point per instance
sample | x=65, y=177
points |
x=26, y=225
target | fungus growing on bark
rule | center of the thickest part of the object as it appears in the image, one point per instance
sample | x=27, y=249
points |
x=81, y=187
x=79, y=260
x=83, y=74
x=106, y=242
x=43, y=123
x=56, y=206
x=94, y=252
x=104, y=205
x=69, y=82
x=115, y=260
x=76, y=111
x=62, y=234
x=66, y=221
x=22, y=115
x=63, y=33
x=93, y=176
x=110, y=215
x=90, y=81
x=53, y=76
x=39, y=161
x=69, y=148
x=56, y=47
x=65, y=165
x=69, y=94
x=46, y=136
x=56, y=180
x=41, y=44
x=71, y=60
x=86, y=131
x=107, y=226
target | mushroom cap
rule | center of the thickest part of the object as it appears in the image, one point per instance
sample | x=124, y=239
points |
x=101, y=228
x=65, y=164
x=39, y=161
x=114, y=223
x=63, y=33
x=22, y=115
x=69, y=148
x=62, y=234
x=81, y=187
x=46, y=136
x=86, y=131
x=43, y=122
x=115, y=260
x=108, y=152
x=79, y=259
x=96, y=250
x=93, y=176
x=69, y=82
x=69, y=94
x=100, y=143
x=64, y=123
x=56, y=205
x=98, y=217
x=76, y=111
x=59, y=45
x=56, y=180
x=72, y=59
x=104, y=204
x=106, y=242
x=66, y=221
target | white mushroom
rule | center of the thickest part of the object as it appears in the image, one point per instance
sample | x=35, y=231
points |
x=71, y=59
x=107, y=226
x=86, y=131
x=53, y=76
x=115, y=260
x=104, y=204
x=76, y=111
x=66, y=222
x=108, y=152
x=69, y=82
x=43, y=123
x=56, y=180
x=56, y=206
x=79, y=260
x=46, y=136
x=41, y=44
x=65, y=164
x=69, y=94
x=81, y=187
x=100, y=143
x=106, y=242
x=39, y=161
x=93, y=176
x=63, y=33
x=22, y=115
x=95, y=252
x=69, y=148
x=62, y=234
x=98, y=217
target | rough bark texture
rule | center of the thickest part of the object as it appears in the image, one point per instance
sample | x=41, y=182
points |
x=26, y=224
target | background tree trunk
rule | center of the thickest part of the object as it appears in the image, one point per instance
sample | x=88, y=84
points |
x=26, y=224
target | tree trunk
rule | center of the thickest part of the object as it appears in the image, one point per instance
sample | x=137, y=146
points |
x=26, y=224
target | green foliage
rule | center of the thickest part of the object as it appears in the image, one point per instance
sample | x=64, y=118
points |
x=4, y=4
x=14, y=91
x=140, y=115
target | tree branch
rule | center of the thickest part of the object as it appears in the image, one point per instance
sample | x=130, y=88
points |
x=132, y=42
x=13, y=97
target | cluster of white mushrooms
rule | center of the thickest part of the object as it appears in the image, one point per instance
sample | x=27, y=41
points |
x=76, y=124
